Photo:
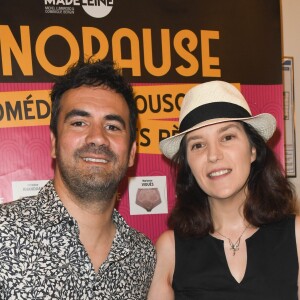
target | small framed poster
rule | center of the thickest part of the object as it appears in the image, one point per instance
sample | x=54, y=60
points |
x=289, y=116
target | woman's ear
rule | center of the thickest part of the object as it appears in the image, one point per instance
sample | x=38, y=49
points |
x=253, y=154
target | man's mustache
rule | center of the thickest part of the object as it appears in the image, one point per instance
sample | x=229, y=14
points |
x=93, y=149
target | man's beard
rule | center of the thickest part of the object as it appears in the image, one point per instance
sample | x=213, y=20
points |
x=94, y=184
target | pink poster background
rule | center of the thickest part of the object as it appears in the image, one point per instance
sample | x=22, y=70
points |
x=25, y=154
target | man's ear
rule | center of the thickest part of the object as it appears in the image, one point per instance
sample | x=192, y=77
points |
x=132, y=154
x=53, y=145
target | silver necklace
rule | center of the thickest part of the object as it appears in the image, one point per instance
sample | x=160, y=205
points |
x=234, y=246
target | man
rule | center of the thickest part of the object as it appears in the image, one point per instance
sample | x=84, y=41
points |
x=69, y=242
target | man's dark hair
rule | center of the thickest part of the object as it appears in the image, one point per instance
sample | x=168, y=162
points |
x=93, y=73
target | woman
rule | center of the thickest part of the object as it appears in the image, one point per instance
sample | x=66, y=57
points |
x=233, y=231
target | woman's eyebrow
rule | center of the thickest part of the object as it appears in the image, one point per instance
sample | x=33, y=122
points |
x=192, y=138
x=225, y=128
x=220, y=130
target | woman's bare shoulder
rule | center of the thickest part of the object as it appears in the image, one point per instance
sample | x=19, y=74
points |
x=161, y=287
x=166, y=239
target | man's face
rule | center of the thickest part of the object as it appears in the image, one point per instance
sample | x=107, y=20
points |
x=92, y=148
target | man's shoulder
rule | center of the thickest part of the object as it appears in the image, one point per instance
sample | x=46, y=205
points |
x=136, y=239
x=28, y=207
x=19, y=205
x=139, y=238
x=19, y=211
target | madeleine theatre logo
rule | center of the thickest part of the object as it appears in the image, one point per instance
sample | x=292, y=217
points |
x=94, y=8
x=97, y=8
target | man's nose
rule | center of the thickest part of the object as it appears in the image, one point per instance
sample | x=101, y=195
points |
x=97, y=135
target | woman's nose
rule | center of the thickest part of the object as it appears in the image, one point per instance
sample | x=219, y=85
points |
x=214, y=153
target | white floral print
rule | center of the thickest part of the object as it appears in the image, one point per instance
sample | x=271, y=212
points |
x=41, y=256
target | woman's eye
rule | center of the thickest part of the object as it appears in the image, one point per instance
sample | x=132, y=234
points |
x=228, y=137
x=197, y=146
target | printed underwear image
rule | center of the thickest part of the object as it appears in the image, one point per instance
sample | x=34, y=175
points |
x=148, y=198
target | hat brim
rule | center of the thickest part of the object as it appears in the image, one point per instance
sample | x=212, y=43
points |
x=265, y=125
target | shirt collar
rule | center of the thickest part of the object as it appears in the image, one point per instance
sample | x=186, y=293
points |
x=122, y=244
x=52, y=210
x=53, y=213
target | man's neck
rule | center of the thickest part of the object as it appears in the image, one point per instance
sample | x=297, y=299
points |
x=94, y=219
x=96, y=235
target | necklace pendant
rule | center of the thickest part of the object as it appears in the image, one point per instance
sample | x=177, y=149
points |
x=234, y=248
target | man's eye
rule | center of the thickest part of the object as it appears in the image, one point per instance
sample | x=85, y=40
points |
x=78, y=123
x=113, y=127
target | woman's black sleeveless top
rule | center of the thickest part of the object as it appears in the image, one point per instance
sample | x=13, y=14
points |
x=202, y=273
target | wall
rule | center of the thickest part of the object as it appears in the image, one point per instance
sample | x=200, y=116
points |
x=291, y=47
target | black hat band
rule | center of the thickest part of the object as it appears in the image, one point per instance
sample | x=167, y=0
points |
x=210, y=111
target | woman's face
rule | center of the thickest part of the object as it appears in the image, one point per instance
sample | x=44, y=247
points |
x=220, y=158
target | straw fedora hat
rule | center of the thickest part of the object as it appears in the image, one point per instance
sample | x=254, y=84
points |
x=215, y=102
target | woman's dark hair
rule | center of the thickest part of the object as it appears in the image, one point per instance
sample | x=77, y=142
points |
x=93, y=73
x=270, y=198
